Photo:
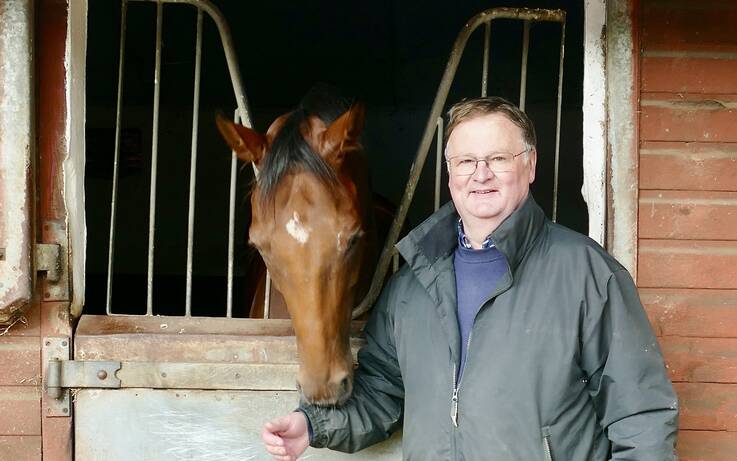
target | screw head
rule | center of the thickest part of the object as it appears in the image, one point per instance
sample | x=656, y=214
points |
x=163, y=375
x=102, y=375
x=64, y=343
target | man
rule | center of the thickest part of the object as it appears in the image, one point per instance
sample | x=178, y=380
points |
x=505, y=336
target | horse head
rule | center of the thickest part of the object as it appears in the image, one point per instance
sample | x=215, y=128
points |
x=309, y=228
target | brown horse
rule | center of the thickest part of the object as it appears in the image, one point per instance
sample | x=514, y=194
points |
x=311, y=224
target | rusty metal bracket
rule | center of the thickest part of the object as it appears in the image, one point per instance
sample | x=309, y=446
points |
x=63, y=375
x=52, y=259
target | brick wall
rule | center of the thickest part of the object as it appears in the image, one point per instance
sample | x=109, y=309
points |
x=687, y=254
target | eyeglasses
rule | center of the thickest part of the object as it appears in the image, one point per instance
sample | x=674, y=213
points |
x=497, y=162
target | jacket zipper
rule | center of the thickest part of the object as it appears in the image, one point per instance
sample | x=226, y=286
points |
x=546, y=444
x=457, y=386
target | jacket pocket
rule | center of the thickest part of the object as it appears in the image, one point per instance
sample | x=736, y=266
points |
x=547, y=451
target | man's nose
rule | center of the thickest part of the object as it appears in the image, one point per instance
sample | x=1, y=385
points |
x=483, y=172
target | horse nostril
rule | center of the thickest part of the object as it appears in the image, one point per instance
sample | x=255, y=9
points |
x=345, y=385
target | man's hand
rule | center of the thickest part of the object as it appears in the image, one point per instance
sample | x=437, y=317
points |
x=286, y=438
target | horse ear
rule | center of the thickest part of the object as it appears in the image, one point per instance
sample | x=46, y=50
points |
x=341, y=137
x=249, y=145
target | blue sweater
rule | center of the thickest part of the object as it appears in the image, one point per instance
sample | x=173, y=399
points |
x=477, y=274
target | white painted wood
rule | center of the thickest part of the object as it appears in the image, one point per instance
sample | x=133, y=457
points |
x=594, y=118
x=74, y=161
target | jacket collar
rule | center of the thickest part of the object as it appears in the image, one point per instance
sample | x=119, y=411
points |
x=435, y=239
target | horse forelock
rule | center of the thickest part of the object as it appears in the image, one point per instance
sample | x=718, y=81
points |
x=289, y=152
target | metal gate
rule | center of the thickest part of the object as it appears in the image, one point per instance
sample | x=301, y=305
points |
x=199, y=388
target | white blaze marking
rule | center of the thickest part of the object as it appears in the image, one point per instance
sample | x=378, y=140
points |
x=298, y=232
x=338, y=242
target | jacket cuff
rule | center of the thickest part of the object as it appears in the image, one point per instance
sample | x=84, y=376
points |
x=318, y=435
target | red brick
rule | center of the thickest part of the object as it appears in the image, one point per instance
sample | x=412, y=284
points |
x=20, y=358
x=676, y=74
x=689, y=25
x=20, y=448
x=688, y=166
x=697, y=215
x=687, y=264
x=706, y=118
x=707, y=446
x=707, y=406
x=700, y=360
x=695, y=313
x=21, y=410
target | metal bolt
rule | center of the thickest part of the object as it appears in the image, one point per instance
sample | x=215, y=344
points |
x=102, y=375
x=163, y=375
x=64, y=343
x=65, y=410
x=47, y=295
x=237, y=375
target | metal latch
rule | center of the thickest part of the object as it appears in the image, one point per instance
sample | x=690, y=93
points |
x=48, y=259
x=62, y=375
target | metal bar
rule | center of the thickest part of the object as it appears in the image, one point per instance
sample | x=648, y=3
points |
x=438, y=162
x=92, y=374
x=231, y=224
x=230, y=56
x=557, y=122
x=523, y=71
x=429, y=133
x=116, y=158
x=193, y=163
x=267, y=296
x=154, y=161
x=485, y=70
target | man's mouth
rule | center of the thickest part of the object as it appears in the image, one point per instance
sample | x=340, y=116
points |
x=484, y=191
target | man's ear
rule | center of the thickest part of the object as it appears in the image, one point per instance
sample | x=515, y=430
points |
x=532, y=162
x=249, y=145
x=341, y=137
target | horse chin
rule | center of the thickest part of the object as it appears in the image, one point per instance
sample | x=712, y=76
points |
x=328, y=396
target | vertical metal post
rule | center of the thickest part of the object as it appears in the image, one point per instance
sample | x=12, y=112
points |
x=485, y=70
x=523, y=75
x=231, y=223
x=267, y=296
x=438, y=163
x=116, y=157
x=193, y=163
x=154, y=161
x=557, y=122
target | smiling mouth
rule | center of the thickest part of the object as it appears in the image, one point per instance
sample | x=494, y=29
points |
x=484, y=192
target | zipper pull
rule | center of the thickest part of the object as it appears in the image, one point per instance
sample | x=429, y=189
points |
x=454, y=408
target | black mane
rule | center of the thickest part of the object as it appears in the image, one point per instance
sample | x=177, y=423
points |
x=290, y=152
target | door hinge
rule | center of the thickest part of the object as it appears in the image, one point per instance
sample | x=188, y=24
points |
x=48, y=259
x=63, y=375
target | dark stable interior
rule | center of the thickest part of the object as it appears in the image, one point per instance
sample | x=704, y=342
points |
x=388, y=54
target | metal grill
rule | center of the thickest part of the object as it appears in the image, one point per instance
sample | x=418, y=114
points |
x=242, y=114
x=434, y=129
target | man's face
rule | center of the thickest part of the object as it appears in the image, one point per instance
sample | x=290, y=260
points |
x=485, y=199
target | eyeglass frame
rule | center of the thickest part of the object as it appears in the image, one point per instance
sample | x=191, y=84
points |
x=484, y=159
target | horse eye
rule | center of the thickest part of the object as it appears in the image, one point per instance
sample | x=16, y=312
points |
x=354, y=240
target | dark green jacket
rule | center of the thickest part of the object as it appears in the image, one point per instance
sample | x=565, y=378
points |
x=562, y=363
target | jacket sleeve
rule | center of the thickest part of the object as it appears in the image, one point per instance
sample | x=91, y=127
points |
x=628, y=382
x=374, y=410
